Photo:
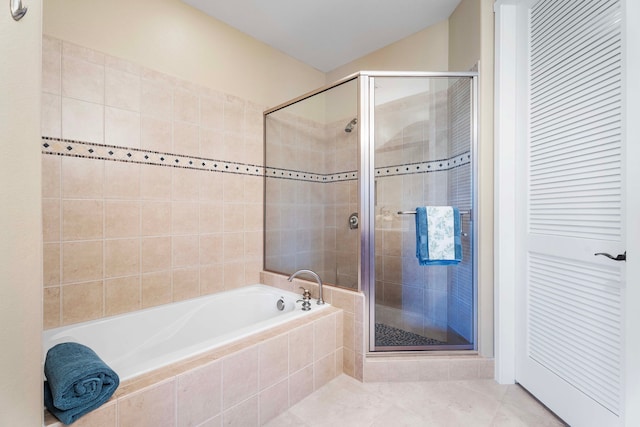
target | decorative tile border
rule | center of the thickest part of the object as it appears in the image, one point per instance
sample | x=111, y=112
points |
x=66, y=147
x=425, y=167
x=297, y=175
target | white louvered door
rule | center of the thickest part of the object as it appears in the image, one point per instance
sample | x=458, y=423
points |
x=570, y=340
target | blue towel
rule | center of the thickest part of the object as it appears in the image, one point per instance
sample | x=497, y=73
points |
x=78, y=381
x=445, y=223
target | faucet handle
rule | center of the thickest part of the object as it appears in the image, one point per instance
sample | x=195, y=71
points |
x=305, y=293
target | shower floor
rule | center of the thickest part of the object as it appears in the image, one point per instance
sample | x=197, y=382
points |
x=389, y=336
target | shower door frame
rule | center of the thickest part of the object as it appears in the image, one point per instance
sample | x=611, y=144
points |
x=366, y=126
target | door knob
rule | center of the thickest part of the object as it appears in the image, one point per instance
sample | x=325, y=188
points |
x=619, y=257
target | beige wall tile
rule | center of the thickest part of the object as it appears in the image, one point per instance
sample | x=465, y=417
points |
x=82, y=121
x=463, y=369
x=122, y=295
x=274, y=361
x=239, y=376
x=212, y=112
x=234, y=114
x=51, y=307
x=121, y=127
x=211, y=144
x=349, y=331
x=156, y=254
x=324, y=337
x=211, y=187
x=121, y=219
x=122, y=89
x=211, y=249
x=199, y=394
x=82, y=219
x=348, y=362
x=155, y=182
x=156, y=134
x=233, y=217
x=121, y=257
x=82, y=80
x=156, y=218
x=233, y=188
x=186, y=185
x=185, y=251
x=232, y=147
x=234, y=275
x=81, y=261
x=104, y=416
x=300, y=348
x=210, y=217
x=156, y=99
x=253, y=217
x=186, y=283
x=244, y=414
x=152, y=407
x=300, y=384
x=211, y=279
x=51, y=264
x=51, y=181
x=82, y=178
x=186, y=139
x=70, y=50
x=82, y=302
x=51, y=227
x=156, y=288
x=324, y=370
x=274, y=401
x=186, y=106
x=51, y=119
x=253, y=245
x=185, y=217
x=51, y=65
x=233, y=246
x=121, y=180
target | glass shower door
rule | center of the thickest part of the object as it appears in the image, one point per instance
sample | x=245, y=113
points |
x=422, y=157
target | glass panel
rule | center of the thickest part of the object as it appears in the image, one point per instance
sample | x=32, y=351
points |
x=423, y=139
x=311, y=186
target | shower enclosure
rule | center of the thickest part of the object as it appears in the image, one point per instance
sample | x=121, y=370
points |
x=346, y=166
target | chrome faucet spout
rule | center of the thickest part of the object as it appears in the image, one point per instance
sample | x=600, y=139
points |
x=315, y=276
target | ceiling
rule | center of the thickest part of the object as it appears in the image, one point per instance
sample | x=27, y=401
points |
x=326, y=34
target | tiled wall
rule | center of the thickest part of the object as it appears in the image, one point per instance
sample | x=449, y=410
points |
x=152, y=187
x=311, y=190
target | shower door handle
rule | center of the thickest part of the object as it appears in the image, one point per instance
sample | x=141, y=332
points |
x=619, y=257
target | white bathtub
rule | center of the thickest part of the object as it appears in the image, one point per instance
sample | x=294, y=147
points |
x=135, y=343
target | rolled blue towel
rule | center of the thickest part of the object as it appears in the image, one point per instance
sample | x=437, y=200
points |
x=78, y=381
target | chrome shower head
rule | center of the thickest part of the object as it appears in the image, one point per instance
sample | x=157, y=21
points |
x=350, y=125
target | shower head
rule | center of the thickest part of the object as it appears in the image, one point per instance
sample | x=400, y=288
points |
x=350, y=125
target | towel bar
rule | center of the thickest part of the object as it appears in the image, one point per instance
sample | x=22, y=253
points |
x=414, y=212
x=462, y=232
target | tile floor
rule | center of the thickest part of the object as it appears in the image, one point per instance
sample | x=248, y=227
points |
x=345, y=402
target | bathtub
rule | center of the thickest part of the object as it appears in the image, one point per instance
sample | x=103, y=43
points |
x=135, y=343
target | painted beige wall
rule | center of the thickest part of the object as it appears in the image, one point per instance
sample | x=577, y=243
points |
x=464, y=36
x=174, y=38
x=20, y=220
x=426, y=50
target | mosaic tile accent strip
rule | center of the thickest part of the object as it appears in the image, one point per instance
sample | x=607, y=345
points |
x=405, y=169
x=65, y=147
x=425, y=167
x=310, y=177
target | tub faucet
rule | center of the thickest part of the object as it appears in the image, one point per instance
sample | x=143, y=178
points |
x=315, y=276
